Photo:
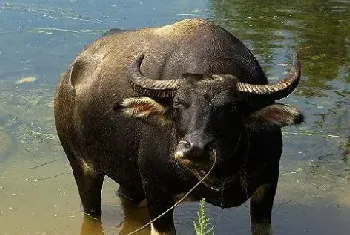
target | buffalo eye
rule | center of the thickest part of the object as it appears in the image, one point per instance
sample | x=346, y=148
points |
x=179, y=104
x=223, y=120
x=225, y=111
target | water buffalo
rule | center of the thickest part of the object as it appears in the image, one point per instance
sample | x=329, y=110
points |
x=153, y=108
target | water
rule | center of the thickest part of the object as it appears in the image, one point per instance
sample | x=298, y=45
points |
x=40, y=38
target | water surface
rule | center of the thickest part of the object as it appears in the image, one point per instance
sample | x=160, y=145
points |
x=40, y=38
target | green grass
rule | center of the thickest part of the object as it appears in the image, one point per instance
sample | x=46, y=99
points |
x=202, y=225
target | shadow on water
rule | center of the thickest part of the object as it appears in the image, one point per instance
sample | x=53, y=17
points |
x=42, y=38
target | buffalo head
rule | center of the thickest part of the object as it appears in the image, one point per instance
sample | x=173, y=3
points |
x=210, y=112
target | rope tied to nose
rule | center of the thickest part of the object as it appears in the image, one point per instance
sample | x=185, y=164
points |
x=182, y=199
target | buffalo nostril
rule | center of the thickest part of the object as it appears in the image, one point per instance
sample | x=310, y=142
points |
x=182, y=148
x=185, y=144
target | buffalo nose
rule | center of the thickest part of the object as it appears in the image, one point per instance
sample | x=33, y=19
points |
x=182, y=148
x=185, y=144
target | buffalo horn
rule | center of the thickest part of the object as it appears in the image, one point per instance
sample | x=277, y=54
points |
x=147, y=86
x=278, y=90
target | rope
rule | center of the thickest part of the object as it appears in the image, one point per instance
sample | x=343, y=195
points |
x=178, y=202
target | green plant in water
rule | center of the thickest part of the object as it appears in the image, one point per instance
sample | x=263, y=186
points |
x=202, y=227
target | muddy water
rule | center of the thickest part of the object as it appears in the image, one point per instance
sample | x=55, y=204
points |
x=38, y=194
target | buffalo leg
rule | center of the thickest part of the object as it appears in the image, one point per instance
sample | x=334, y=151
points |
x=133, y=195
x=165, y=224
x=89, y=187
x=158, y=202
x=261, y=204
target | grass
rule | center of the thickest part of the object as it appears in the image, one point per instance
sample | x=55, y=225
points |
x=202, y=225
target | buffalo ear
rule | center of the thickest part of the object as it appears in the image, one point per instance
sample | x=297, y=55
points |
x=276, y=115
x=144, y=108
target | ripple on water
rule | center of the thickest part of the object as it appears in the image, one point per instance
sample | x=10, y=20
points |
x=225, y=221
x=5, y=145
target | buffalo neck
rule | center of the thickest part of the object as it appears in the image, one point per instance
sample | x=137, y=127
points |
x=232, y=155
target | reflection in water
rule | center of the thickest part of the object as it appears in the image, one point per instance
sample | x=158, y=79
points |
x=134, y=218
x=320, y=29
x=345, y=146
x=91, y=226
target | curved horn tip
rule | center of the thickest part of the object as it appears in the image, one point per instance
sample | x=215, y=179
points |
x=136, y=63
x=282, y=88
x=296, y=60
x=139, y=58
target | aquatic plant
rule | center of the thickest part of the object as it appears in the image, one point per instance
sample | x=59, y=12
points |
x=202, y=226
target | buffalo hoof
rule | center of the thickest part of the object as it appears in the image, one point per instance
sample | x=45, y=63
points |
x=261, y=229
x=155, y=232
